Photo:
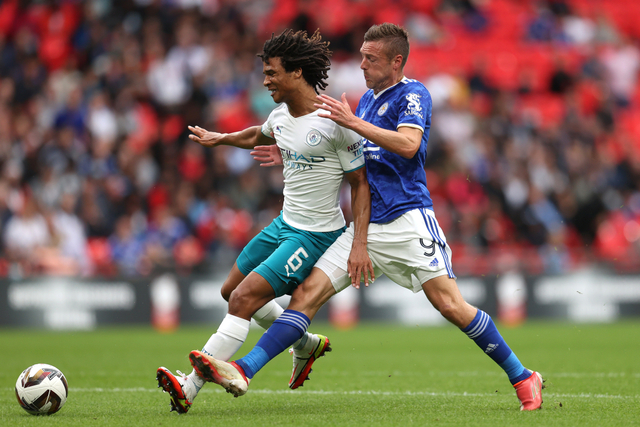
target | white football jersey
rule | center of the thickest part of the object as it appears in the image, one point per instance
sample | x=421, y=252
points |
x=316, y=153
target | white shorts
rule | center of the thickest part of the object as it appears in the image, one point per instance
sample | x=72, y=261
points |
x=412, y=245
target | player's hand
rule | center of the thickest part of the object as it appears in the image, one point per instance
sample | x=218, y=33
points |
x=338, y=111
x=267, y=155
x=360, y=266
x=205, y=137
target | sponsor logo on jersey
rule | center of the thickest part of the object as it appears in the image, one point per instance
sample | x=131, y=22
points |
x=413, y=106
x=383, y=109
x=368, y=147
x=314, y=137
x=278, y=129
x=294, y=160
x=356, y=148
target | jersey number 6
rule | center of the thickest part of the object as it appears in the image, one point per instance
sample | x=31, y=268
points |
x=295, y=261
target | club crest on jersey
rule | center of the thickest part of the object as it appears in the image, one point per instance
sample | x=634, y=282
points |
x=314, y=137
x=413, y=107
x=383, y=109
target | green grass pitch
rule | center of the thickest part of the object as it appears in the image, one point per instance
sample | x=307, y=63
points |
x=377, y=375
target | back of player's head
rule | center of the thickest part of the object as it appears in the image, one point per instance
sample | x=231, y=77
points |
x=394, y=37
x=298, y=50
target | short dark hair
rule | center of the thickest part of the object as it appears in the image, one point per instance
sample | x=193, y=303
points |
x=394, y=37
x=298, y=50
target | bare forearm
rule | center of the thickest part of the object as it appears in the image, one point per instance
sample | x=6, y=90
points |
x=390, y=140
x=247, y=138
x=361, y=208
x=359, y=264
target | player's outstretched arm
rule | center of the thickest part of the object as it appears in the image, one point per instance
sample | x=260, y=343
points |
x=248, y=138
x=267, y=155
x=404, y=142
x=359, y=263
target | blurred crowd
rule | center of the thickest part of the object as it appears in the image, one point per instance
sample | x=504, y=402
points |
x=533, y=160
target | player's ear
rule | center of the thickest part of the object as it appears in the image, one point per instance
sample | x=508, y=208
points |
x=397, y=62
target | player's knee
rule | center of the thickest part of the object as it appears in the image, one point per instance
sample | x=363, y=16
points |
x=453, y=312
x=309, y=297
x=227, y=290
x=301, y=298
x=244, y=304
x=448, y=311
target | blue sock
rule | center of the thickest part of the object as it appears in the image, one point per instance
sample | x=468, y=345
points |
x=286, y=329
x=483, y=331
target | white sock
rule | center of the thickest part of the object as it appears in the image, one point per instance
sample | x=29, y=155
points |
x=305, y=341
x=230, y=336
x=270, y=312
x=267, y=314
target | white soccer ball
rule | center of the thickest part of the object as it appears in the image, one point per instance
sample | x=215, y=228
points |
x=41, y=389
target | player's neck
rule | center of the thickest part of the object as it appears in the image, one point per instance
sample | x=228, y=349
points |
x=393, y=80
x=302, y=104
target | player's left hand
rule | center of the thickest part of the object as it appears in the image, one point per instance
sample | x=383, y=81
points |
x=359, y=266
x=338, y=111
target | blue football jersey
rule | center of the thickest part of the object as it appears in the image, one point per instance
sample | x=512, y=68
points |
x=397, y=184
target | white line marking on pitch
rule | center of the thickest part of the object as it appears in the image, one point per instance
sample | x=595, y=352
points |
x=365, y=393
x=545, y=374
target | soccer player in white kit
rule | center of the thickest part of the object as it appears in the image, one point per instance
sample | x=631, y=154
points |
x=404, y=238
x=317, y=153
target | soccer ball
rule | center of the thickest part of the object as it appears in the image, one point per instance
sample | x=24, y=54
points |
x=41, y=389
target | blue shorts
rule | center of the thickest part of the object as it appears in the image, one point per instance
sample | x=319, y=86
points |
x=284, y=255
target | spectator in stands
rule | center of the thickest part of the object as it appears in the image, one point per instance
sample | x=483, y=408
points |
x=72, y=244
x=26, y=233
x=128, y=248
x=561, y=79
x=622, y=63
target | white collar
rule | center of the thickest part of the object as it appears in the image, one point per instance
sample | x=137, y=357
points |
x=384, y=90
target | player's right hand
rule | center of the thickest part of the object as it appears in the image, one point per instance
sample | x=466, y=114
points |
x=205, y=137
x=359, y=266
x=267, y=155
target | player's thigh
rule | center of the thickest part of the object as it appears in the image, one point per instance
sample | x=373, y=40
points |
x=442, y=291
x=259, y=248
x=312, y=293
x=334, y=261
x=293, y=259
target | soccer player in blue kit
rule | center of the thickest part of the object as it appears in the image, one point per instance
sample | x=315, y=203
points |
x=318, y=154
x=404, y=238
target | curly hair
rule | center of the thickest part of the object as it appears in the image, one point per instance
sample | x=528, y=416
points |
x=298, y=50
x=394, y=37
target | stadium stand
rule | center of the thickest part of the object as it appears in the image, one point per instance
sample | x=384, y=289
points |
x=533, y=152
